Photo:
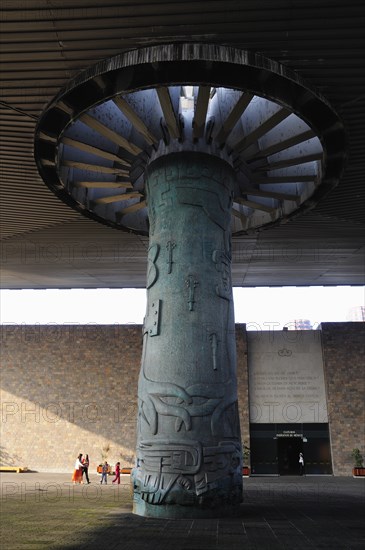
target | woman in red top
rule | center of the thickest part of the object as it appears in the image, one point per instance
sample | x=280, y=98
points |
x=117, y=473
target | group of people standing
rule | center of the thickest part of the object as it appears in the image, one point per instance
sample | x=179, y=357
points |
x=81, y=469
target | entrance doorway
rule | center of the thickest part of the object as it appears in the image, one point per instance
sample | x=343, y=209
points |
x=288, y=455
x=275, y=449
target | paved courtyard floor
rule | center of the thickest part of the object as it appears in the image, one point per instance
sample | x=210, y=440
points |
x=45, y=511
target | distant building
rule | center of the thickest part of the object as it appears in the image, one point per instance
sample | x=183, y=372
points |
x=356, y=313
x=300, y=324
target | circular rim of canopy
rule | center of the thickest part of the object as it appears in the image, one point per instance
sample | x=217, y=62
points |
x=201, y=65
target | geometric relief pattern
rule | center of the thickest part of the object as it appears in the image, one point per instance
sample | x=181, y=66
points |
x=169, y=399
x=185, y=473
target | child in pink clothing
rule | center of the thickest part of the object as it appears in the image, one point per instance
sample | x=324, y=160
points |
x=117, y=473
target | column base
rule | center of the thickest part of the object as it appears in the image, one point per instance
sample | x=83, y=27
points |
x=222, y=501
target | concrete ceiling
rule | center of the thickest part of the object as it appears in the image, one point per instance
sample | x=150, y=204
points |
x=46, y=244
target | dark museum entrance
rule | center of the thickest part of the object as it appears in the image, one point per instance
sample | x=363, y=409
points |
x=288, y=455
x=275, y=448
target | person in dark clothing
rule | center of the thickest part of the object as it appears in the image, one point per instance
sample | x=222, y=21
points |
x=301, y=464
x=85, y=468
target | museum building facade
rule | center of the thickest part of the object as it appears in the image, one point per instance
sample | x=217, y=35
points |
x=67, y=389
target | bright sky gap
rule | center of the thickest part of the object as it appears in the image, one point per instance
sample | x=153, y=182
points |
x=264, y=308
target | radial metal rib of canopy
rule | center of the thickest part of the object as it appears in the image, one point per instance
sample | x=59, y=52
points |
x=94, y=141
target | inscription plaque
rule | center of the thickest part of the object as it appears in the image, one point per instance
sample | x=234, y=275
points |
x=286, y=379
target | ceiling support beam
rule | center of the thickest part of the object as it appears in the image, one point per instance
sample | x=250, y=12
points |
x=255, y=205
x=168, y=112
x=285, y=144
x=117, y=198
x=289, y=162
x=261, y=180
x=201, y=110
x=240, y=216
x=272, y=195
x=136, y=121
x=233, y=118
x=94, y=168
x=94, y=150
x=265, y=127
x=133, y=208
x=94, y=124
x=103, y=184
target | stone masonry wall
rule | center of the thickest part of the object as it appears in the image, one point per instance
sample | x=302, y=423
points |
x=70, y=389
x=242, y=383
x=344, y=366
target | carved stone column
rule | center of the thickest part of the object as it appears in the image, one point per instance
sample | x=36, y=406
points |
x=189, y=451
